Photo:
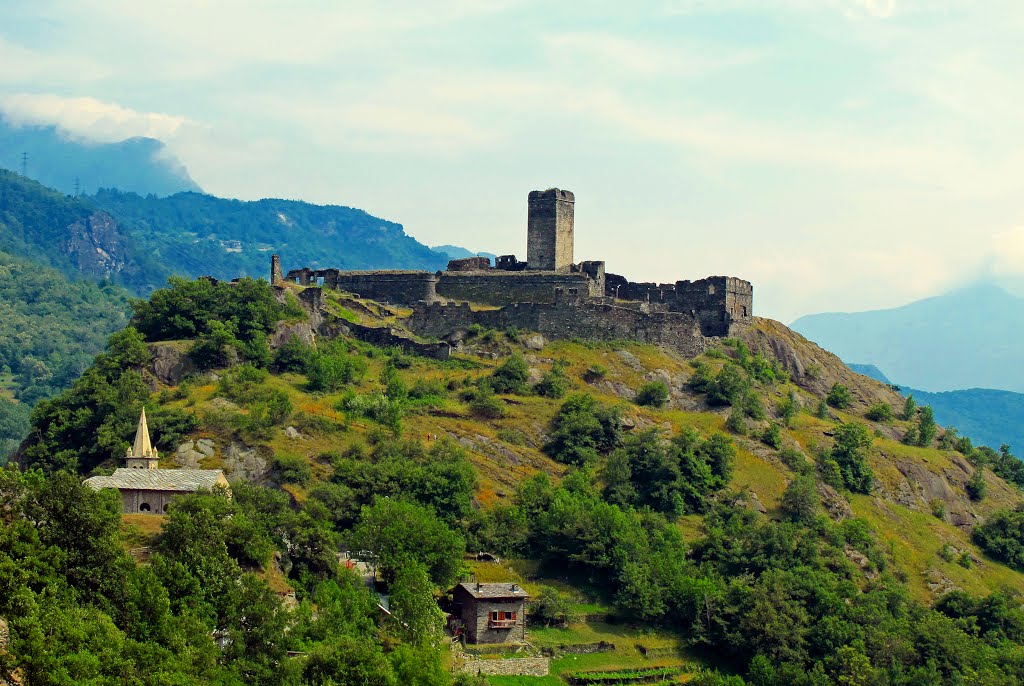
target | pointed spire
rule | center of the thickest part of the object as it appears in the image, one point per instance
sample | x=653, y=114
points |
x=142, y=448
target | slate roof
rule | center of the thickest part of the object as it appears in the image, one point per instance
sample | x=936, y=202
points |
x=484, y=591
x=185, y=480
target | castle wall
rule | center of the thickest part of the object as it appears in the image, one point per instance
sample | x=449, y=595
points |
x=549, y=231
x=716, y=301
x=496, y=287
x=403, y=287
x=566, y=319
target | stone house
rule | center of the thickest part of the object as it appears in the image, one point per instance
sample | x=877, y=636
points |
x=147, y=489
x=492, y=613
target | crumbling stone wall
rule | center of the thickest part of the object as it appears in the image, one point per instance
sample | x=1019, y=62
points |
x=717, y=301
x=568, y=318
x=386, y=286
x=496, y=287
x=469, y=264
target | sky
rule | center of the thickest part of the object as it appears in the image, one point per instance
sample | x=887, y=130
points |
x=842, y=155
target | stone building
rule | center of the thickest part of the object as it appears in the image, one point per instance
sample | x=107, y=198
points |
x=548, y=293
x=147, y=489
x=492, y=613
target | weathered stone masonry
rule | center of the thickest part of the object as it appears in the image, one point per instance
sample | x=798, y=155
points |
x=549, y=293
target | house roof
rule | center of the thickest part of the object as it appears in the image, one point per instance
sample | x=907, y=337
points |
x=483, y=591
x=184, y=480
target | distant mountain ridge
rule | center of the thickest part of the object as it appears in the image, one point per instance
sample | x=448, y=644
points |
x=141, y=165
x=969, y=338
x=989, y=417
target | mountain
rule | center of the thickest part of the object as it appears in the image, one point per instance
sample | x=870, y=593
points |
x=194, y=234
x=969, y=338
x=986, y=416
x=669, y=517
x=455, y=252
x=141, y=165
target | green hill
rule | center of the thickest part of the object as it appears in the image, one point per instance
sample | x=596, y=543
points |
x=669, y=516
x=192, y=234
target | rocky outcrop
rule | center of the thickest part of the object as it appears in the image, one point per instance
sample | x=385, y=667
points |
x=170, y=363
x=811, y=367
x=95, y=245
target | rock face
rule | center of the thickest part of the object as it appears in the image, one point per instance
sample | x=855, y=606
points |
x=190, y=454
x=242, y=463
x=170, y=364
x=95, y=245
x=811, y=367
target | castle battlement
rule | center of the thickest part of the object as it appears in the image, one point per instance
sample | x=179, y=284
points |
x=549, y=292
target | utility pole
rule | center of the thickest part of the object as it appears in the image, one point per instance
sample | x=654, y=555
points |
x=24, y=164
x=76, y=186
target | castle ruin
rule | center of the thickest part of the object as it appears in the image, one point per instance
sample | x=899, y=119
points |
x=548, y=293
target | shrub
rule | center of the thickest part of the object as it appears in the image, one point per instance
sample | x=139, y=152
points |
x=787, y=409
x=293, y=356
x=375, y=406
x=652, y=394
x=729, y=386
x=938, y=509
x=240, y=383
x=483, y=403
x=292, y=469
x=736, y=422
x=976, y=486
x=850, y=454
x=800, y=502
x=553, y=608
x=512, y=436
x=839, y=397
x=594, y=373
x=880, y=412
x=965, y=560
x=795, y=460
x=947, y=552
x=554, y=383
x=1002, y=537
x=511, y=376
x=772, y=436
x=328, y=372
x=821, y=411
x=583, y=429
x=753, y=407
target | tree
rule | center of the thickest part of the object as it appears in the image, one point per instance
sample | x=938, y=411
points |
x=800, y=502
x=926, y=427
x=511, y=376
x=839, y=397
x=1002, y=536
x=849, y=452
x=909, y=408
x=417, y=617
x=553, y=608
x=398, y=533
x=582, y=430
x=880, y=412
x=976, y=486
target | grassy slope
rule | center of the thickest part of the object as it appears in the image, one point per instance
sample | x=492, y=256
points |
x=914, y=535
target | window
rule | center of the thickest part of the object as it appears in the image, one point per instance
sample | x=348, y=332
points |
x=144, y=507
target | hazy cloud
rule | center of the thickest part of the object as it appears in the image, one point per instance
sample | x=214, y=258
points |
x=88, y=118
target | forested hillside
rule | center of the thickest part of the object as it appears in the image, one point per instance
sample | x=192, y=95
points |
x=738, y=518
x=193, y=234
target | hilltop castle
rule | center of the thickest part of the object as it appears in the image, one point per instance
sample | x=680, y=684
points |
x=549, y=292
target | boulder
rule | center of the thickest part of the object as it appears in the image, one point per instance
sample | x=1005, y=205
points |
x=169, y=363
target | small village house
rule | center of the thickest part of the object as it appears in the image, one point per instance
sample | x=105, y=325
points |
x=492, y=613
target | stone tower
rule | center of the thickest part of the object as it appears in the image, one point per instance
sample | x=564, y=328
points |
x=549, y=230
x=276, y=276
x=142, y=455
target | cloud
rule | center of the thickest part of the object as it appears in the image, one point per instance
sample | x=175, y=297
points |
x=88, y=118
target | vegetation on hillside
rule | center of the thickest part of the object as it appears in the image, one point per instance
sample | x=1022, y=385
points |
x=770, y=553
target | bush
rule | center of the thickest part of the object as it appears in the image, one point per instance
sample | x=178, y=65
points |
x=594, y=373
x=329, y=372
x=553, y=608
x=582, y=430
x=1002, y=537
x=652, y=394
x=511, y=376
x=938, y=509
x=787, y=409
x=850, y=453
x=753, y=407
x=554, y=383
x=292, y=469
x=729, y=386
x=293, y=356
x=880, y=412
x=375, y=406
x=483, y=402
x=795, y=460
x=839, y=397
x=736, y=422
x=800, y=502
x=976, y=486
x=772, y=436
